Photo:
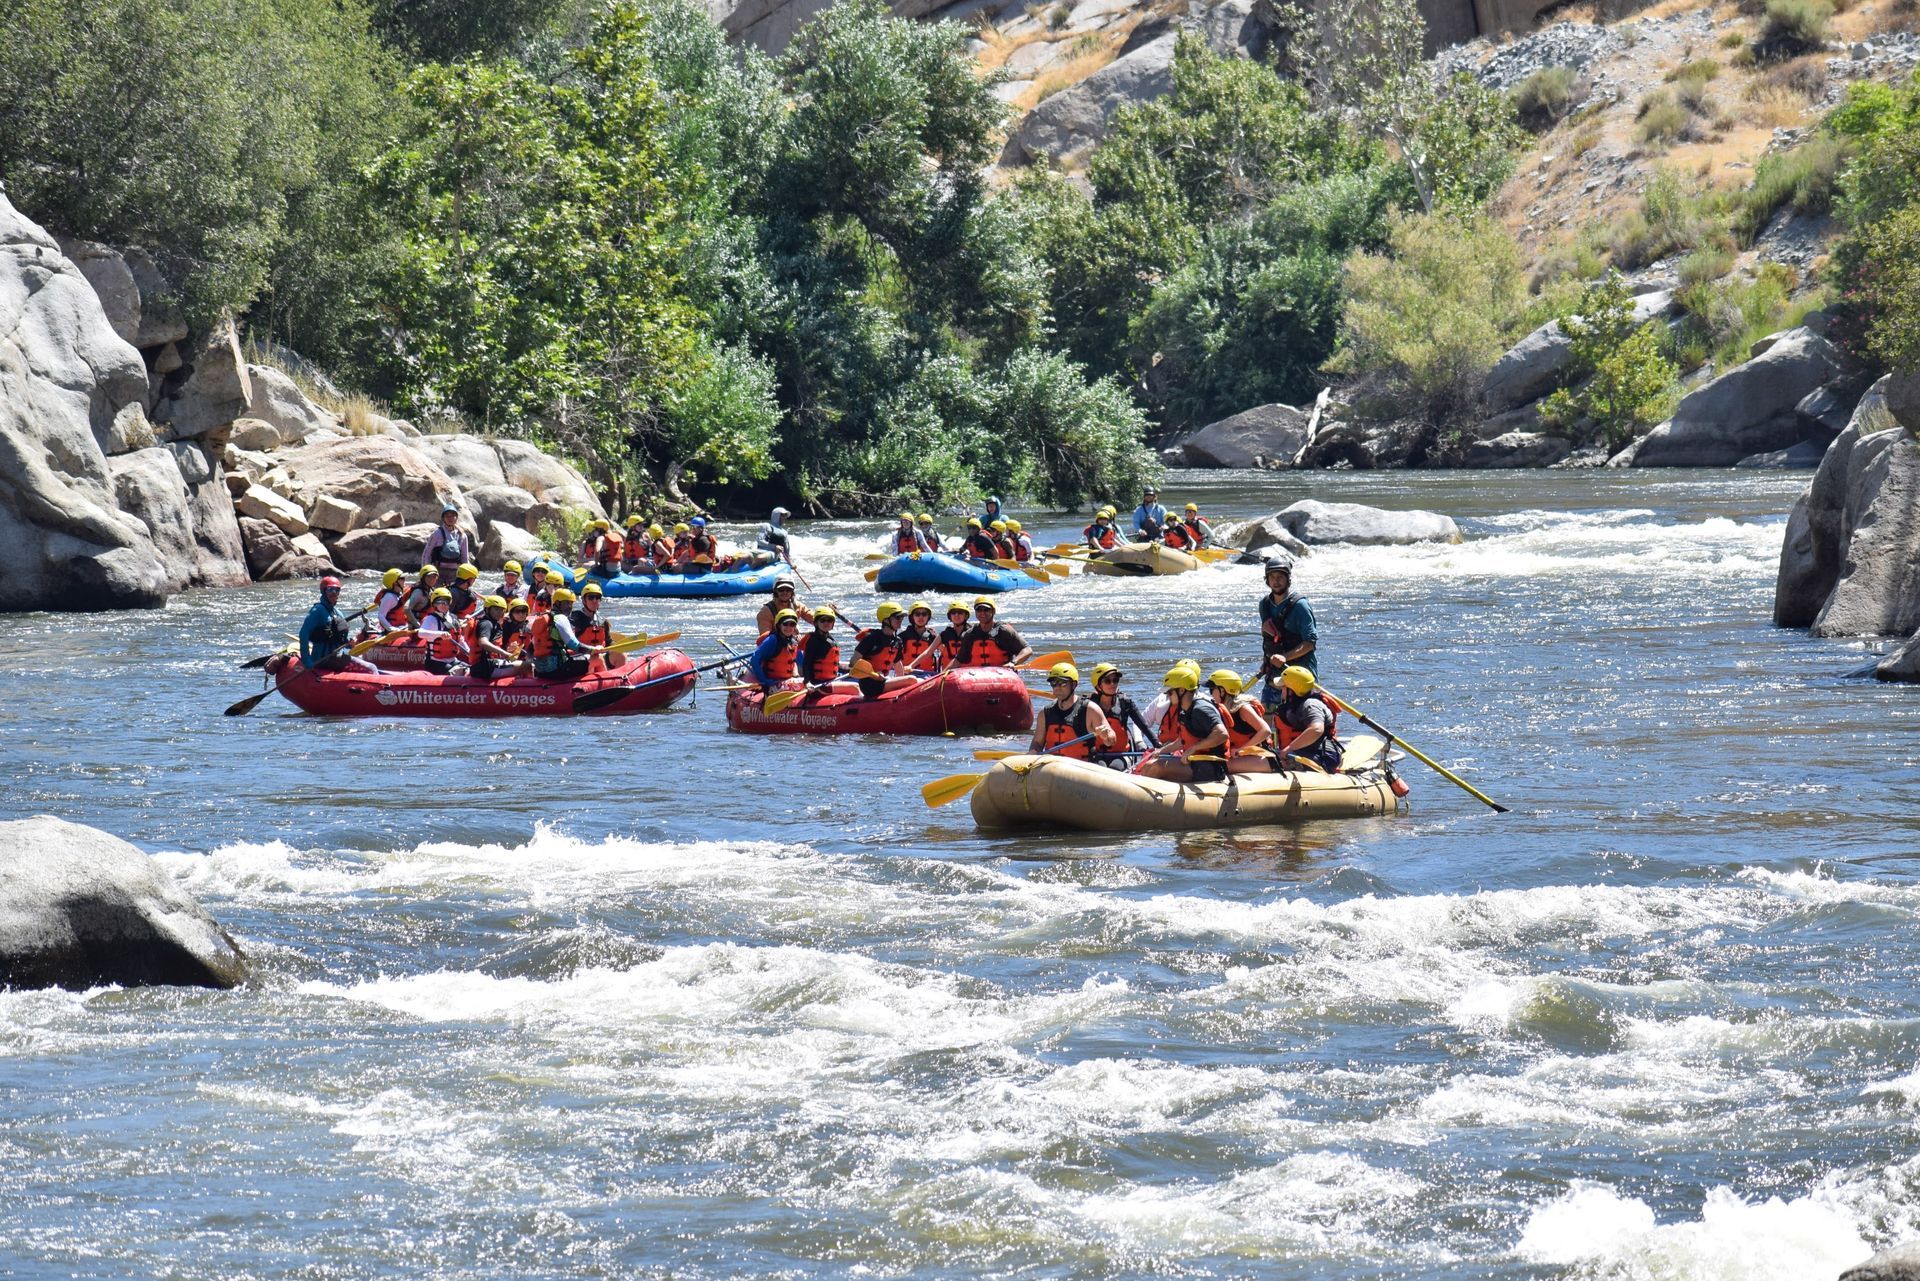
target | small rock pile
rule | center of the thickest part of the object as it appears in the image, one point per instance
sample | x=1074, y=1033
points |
x=1564, y=44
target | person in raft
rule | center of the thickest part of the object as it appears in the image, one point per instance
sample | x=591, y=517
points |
x=600, y=550
x=880, y=649
x=989, y=642
x=776, y=659
x=1123, y=716
x=558, y=651
x=517, y=632
x=1191, y=727
x=1149, y=518
x=540, y=590
x=990, y=512
x=1070, y=718
x=324, y=638
x=1189, y=532
x=636, y=552
x=773, y=535
x=1022, y=542
x=979, y=544
x=487, y=641
x=952, y=641
x=466, y=592
x=390, y=606
x=448, y=547
x=1101, y=535
x=1289, y=637
x=1249, y=737
x=420, y=595
x=703, y=546
x=905, y=540
x=783, y=598
x=442, y=632
x=511, y=588
x=916, y=637
x=1307, y=721
x=924, y=524
x=590, y=628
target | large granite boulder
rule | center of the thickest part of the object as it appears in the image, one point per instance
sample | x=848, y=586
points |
x=1538, y=363
x=1821, y=522
x=1903, y=664
x=1518, y=449
x=549, y=480
x=65, y=377
x=377, y=474
x=1070, y=122
x=1262, y=537
x=1751, y=409
x=505, y=542
x=81, y=909
x=148, y=486
x=279, y=413
x=1264, y=436
x=1316, y=523
x=1901, y=1263
x=471, y=461
x=132, y=292
x=397, y=548
x=202, y=398
x=1366, y=445
x=218, y=559
x=1878, y=590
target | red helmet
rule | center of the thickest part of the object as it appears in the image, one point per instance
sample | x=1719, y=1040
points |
x=329, y=582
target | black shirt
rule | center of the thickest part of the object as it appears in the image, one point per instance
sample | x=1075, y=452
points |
x=1001, y=637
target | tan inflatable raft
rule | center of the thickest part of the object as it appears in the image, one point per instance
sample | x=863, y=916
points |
x=1056, y=791
x=1135, y=559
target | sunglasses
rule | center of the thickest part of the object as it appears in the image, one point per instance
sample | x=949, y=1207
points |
x=788, y=622
x=1059, y=680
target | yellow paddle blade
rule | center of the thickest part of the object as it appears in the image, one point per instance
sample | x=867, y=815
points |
x=878, y=556
x=1037, y=575
x=1058, y=571
x=382, y=639
x=1041, y=662
x=951, y=788
x=873, y=573
x=1358, y=753
x=641, y=642
x=1210, y=555
x=783, y=700
x=861, y=669
x=994, y=754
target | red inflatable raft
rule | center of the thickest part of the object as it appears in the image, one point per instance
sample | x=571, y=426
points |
x=357, y=693
x=967, y=700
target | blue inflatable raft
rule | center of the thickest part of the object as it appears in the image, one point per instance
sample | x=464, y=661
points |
x=937, y=572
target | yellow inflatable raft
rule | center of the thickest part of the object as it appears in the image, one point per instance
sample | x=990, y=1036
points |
x=1057, y=791
x=1135, y=559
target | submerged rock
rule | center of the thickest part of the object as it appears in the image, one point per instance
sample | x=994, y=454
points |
x=1901, y=1263
x=80, y=908
x=1315, y=522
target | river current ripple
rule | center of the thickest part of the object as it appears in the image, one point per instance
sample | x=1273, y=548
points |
x=638, y=997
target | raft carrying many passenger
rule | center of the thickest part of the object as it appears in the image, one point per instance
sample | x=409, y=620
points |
x=941, y=572
x=962, y=701
x=656, y=678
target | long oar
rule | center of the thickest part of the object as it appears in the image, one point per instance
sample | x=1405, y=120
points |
x=642, y=642
x=1393, y=738
x=602, y=697
x=382, y=639
x=951, y=788
x=1041, y=662
x=786, y=698
x=246, y=705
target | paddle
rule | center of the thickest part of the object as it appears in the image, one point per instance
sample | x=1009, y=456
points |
x=381, y=639
x=602, y=697
x=1037, y=574
x=786, y=698
x=1041, y=662
x=1416, y=753
x=641, y=642
x=246, y=705
x=951, y=788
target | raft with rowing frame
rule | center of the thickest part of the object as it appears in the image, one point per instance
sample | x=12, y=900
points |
x=1057, y=791
x=1136, y=560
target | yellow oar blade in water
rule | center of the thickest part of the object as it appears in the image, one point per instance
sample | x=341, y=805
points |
x=951, y=788
x=995, y=753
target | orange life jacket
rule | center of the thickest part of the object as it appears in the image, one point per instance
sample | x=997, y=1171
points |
x=822, y=664
x=1022, y=548
x=440, y=644
x=904, y=541
x=914, y=641
x=539, y=601
x=1243, y=724
x=393, y=608
x=546, y=640
x=951, y=639
x=985, y=649
x=1179, y=538
x=1063, y=726
x=1101, y=536
x=980, y=545
x=1173, y=728
x=1284, y=733
x=785, y=662
x=881, y=662
x=1005, y=548
x=591, y=631
x=1122, y=739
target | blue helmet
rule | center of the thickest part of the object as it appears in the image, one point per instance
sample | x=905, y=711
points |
x=698, y=522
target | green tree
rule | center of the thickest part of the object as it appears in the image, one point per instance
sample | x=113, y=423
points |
x=1625, y=382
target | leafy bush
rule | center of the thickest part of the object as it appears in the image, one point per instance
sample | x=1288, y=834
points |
x=1724, y=317
x=1791, y=28
x=1624, y=382
x=1544, y=97
x=1802, y=178
x=1884, y=283
x=1433, y=313
x=1669, y=220
x=1707, y=263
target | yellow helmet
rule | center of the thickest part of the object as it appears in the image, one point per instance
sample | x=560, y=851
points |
x=985, y=602
x=602, y=525
x=654, y=531
x=511, y=567
x=918, y=607
x=1103, y=670
x=887, y=610
x=1298, y=680
x=958, y=606
x=825, y=612
x=1191, y=663
x=1106, y=512
x=592, y=589
x=924, y=519
x=973, y=522
x=683, y=528
x=907, y=517
x=541, y=567
x=392, y=577
x=785, y=616
x=439, y=594
x=1180, y=676
x=998, y=527
x=495, y=602
x=467, y=573
x=1228, y=679
x=429, y=569
x=1013, y=527
x=1063, y=672
x=563, y=596
x=635, y=520
x=1193, y=507
x=519, y=602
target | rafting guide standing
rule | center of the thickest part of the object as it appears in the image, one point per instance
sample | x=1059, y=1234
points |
x=1288, y=633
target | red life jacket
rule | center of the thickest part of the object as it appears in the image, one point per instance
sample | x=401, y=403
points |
x=1022, y=548
x=980, y=546
x=1064, y=727
x=1179, y=538
x=1004, y=548
x=904, y=541
x=393, y=608
x=785, y=661
x=440, y=644
x=1173, y=729
x=1101, y=536
x=985, y=649
x=882, y=661
x=822, y=665
x=591, y=631
x=1284, y=731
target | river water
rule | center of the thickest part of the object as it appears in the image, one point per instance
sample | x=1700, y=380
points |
x=638, y=997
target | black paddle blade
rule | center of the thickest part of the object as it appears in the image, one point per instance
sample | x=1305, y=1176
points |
x=599, y=698
x=246, y=705
x=261, y=661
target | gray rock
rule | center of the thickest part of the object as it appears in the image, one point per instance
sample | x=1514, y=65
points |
x=65, y=377
x=1364, y=446
x=1821, y=523
x=112, y=280
x=1585, y=456
x=1518, y=449
x=368, y=548
x=1264, y=436
x=298, y=564
x=1825, y=411
x=214, y=391
x=374, y=473
x=1903, y=665
x=282, y=409
x=1748, y=410
x=1901, y=1263
x=219, y=560
x=1804, y=456
x=1317, y=523
x=1526, y=419
x=1263, y=536
x=508, y=503
x=1901, y=399
x=547, y=478
x=1878, y=592
x=264, y=543
x=81, y=909
x=148, y=486
x=1073, y=120
x=1537, y=364
x=505, y=542
x=471, y=461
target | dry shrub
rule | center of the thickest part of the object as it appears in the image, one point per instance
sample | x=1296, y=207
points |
x=1791, y=28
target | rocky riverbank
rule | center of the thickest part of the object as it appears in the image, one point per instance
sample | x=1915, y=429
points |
x=145, y=458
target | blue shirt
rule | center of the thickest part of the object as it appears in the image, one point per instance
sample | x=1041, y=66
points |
x=321, y=618
x=1143, y=513
x=1292, y=617
x=763, y=653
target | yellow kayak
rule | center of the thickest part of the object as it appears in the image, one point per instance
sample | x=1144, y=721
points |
x=1134, y=559
x=1058, y=791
